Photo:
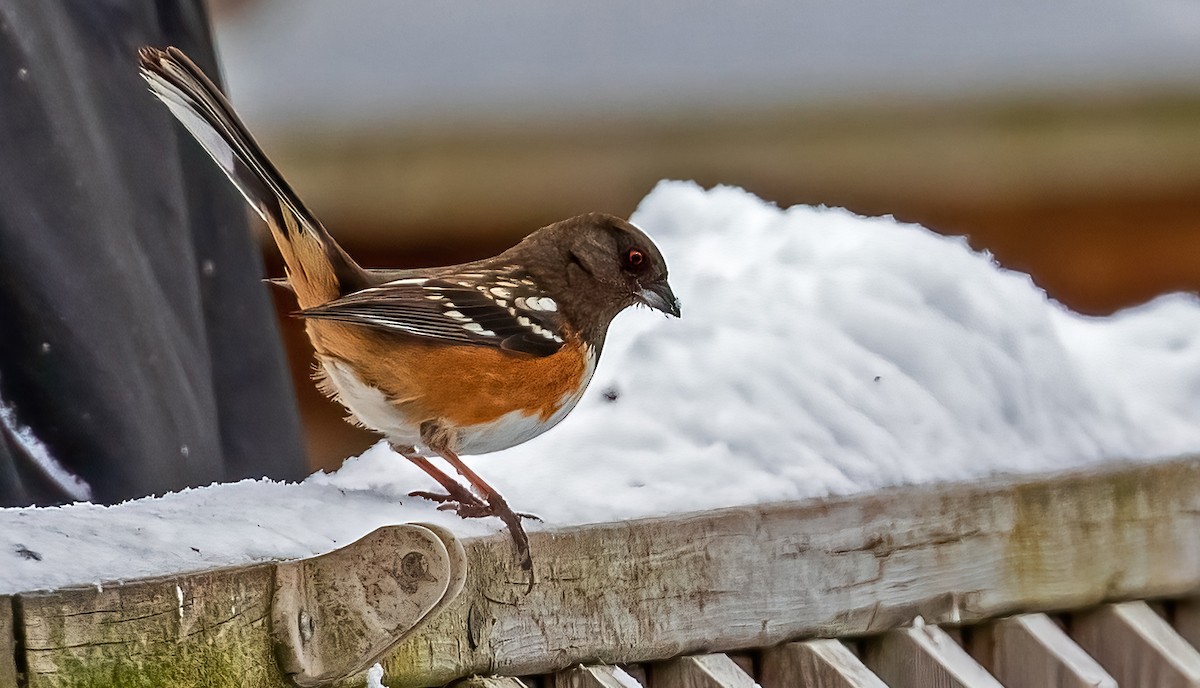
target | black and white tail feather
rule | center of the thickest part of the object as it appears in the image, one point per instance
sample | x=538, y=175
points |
x=500, y=306
x=319, y=270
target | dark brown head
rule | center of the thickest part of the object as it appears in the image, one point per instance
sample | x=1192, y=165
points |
x=596, y=266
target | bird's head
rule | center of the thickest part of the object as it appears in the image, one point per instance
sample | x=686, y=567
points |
x=602, y=265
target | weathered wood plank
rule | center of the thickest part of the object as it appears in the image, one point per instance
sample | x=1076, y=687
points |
x=745, y=661
x=214, y=629
x=1137, y=647
x=594, y=676
x=8, y=643
x=815, y=664
x=202, y=630
x=641, y=591
x=336, y=614
x=1031, y=651
x=755, y=577
x=490, y=682
x=700, y=671
x=924, y=657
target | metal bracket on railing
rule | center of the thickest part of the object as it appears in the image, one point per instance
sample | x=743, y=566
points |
x=336, y=614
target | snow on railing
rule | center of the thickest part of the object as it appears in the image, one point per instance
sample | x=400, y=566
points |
x=883, y=569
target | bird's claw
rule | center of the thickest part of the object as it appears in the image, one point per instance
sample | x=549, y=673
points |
x=452, y=501
x=467, y=510
x=470, y=506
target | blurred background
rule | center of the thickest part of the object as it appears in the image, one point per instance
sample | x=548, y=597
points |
x=1062, y=137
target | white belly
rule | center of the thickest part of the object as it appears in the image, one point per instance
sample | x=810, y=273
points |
x=513, y=428
x=371, y=408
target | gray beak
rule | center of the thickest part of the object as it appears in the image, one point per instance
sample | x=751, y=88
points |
x=660, y=297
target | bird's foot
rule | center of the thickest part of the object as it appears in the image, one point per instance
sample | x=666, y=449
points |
x=512, y=519
x=467, y=505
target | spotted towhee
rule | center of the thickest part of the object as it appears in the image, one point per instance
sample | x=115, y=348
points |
x=469, y=358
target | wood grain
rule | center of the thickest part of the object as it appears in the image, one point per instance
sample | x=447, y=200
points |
x=815, y=664
x=594, y=677
x=8, y=643
x=490, y=682
x=924, y=657
x=1031, y=651
x=214, y=628
x=700, y=671
x=1137, y=646
x=642, y=591
x=336, y=614
x=201, y=630
x=745, y=661
x=754, y=577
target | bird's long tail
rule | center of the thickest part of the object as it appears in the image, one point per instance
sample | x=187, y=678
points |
x=318, y=269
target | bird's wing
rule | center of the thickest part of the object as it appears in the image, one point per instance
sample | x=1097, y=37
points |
x=502, y=309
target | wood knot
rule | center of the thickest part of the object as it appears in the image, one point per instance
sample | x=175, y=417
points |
x=414, y=565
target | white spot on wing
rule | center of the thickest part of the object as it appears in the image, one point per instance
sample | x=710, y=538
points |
x=389, y=323
x=478, y=329
x=457, y=316
x=537, y=329
x=539, y=304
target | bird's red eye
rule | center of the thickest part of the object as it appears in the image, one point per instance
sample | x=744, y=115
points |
x=634, y=258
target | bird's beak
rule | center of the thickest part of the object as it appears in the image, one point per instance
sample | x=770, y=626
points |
x=659, y=296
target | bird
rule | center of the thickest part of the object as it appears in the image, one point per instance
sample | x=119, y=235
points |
x=442, y=361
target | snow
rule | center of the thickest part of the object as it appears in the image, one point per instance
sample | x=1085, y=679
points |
x=375, y=676
x=819, y=353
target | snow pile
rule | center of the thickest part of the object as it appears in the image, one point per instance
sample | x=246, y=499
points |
x=818, y=353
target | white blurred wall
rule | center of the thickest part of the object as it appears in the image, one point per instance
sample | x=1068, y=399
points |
x=290, y=62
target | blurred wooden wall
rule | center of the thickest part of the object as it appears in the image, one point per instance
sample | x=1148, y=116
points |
x=1099, y=200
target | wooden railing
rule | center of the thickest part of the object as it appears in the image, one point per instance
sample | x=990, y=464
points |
x=909, y=586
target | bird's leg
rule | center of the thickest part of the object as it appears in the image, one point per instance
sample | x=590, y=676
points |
x=466, y=504
x=497, y=506
x=440, y=441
